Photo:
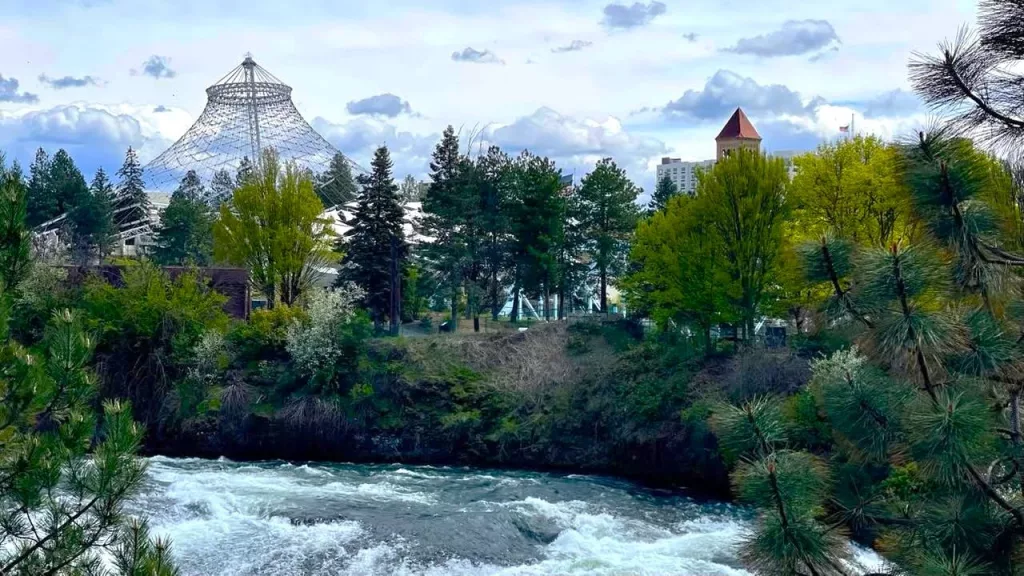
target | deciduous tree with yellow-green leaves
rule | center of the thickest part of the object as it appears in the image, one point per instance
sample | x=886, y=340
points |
x=851, y=188
x=273, y=226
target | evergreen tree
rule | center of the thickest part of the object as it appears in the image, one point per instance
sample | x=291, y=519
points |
x=221, y=187
x=573, y=268
x=131, y=201
x=66, y=183
x=493, y=183
x=665, y=190
x=15, y=237
x=185, y=233
x=64, y=480
x=375, y=247
x=336, y=185
x=609, y=215
x=975, y=80
x=91, y=221
x=42, y=204
x=537, y=218
x=244, y=172
x=445, y=208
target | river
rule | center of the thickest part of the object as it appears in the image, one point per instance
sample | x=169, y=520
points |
x=278, y=519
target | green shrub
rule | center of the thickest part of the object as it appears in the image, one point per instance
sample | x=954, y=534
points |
x=148, y=331
x=265, y=335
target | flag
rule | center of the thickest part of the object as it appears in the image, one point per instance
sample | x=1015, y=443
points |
x=844, y=128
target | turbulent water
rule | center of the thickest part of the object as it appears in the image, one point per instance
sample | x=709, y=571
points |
x=277, y=518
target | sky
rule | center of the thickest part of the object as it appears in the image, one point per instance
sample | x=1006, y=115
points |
x=574, y=80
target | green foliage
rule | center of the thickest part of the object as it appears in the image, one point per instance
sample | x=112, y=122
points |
x=273, y=226
x=852, y=189
x=264, y=336
x=337, y=186
x=15, y=237
x=148, y=329
x=664, y=192
x=755, y=427
x=679, y=270
x=65, y=480
x=375, y=247
x=608, y=215
x=743, y=198
x=862, y=403
x=91, y=220
x=185, y=234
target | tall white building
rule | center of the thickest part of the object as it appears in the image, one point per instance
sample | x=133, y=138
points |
x=682, y=174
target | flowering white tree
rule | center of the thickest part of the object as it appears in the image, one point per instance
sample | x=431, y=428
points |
x=318, y=343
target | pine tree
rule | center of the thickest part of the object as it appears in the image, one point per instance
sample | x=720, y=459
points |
x=573, y=268
x=42, y=203
x=63, y=479
x=91, y=221
x=609, y=215
x=66, y=183
x=665, y=190
x=493, y=188
x=336, y=185
x=375, y=247
x=131, y=203
x=221, y=187
x=185, y=233
x=975, y=80
x=537, y=218
x=445, y=209
x=244, y=172
x=925, y=411
x=15, y=237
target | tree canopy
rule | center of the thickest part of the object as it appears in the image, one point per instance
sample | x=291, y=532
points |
x=273, y=226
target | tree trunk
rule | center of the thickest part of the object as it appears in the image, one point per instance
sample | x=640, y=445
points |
x=604, y=290
x=547, y=302
x=514, y=314
x=455, y=309
x=495, y=306
x=476, y=323
x=708, y=347
x=561, y=301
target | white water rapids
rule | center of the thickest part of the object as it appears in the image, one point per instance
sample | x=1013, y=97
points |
x=279, y=519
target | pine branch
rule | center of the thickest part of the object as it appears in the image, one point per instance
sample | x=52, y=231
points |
x=841, y=295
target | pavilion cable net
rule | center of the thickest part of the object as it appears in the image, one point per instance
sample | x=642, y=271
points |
x=247, y=111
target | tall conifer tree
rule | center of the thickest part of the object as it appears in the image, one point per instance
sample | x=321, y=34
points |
x=336, y=185
x=444, y=220
x=665, y=190
x=375, y=246
x=608, y=214
x=42, y=205
x=131, y=201
x=91, y=220
x=185, y=234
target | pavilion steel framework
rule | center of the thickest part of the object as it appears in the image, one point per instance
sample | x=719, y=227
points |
x=247, y=111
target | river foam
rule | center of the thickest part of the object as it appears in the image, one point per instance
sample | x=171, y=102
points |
x=277, y=519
